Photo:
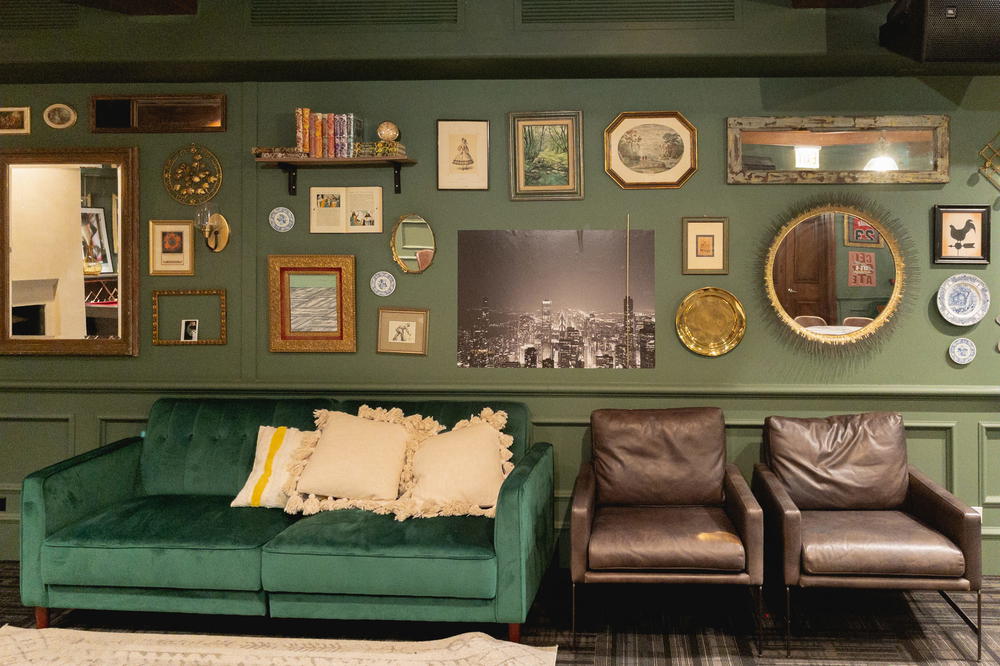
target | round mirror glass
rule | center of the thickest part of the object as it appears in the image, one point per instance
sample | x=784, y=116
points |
x=413, y=244
x=834, y=274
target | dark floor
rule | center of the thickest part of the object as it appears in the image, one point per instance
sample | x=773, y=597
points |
x=640, y=624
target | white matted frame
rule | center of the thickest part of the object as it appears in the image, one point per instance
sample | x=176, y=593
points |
x=705, y=246
x=402, y=331
x=463, y=154
x=15, y=120
x=171, y=247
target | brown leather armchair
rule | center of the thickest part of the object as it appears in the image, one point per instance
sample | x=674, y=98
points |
x=658, y=504
x=844, y=509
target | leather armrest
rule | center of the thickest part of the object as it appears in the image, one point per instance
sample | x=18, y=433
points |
x=581, y=520
x=746, y=514
x=949, y=515
x=784, y=517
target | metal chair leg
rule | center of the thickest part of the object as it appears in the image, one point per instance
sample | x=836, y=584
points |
x=788, y=619
x=758, y=615
x=573, y=616
x=976, y=626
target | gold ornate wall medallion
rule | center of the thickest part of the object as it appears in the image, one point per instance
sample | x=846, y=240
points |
x=192, y=175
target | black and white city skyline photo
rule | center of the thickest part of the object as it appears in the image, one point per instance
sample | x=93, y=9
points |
x=556, y=299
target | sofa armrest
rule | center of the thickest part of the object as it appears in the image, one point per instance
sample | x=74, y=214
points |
x=782, y=518
x=952, y=517
x=523, y=532
x=65, y=492
x=748, y=518
x=581, y=520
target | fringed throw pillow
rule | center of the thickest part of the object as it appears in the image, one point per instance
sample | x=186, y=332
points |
x=275, y=448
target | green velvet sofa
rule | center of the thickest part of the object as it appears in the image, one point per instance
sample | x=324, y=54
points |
x=145, y=524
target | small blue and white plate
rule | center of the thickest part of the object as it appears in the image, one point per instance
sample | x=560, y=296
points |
x=281, y=219
x=963, y=299
x=962, y=350
x=383, y=283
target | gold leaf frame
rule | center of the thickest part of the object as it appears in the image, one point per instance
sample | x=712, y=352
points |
x=683, y=126
x=223, y=316
x=281, y=338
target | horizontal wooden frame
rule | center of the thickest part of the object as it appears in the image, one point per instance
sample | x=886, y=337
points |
x=221, y=293
x=138, y=103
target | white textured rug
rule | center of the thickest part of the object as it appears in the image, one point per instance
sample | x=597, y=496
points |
x=73, y=647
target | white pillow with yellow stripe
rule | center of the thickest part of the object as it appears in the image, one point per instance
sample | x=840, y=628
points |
x=275, y=448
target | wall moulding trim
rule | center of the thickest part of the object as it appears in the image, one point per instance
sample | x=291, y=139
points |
x=106, y=420
x=948, y=427
x=68, y=419
x=261, y=387
x=985, y=500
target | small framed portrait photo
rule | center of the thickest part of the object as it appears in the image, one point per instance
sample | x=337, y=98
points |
x=705, y=246
x=402, y=331
x=171, y=247
x=961, y=234
x=189, y=330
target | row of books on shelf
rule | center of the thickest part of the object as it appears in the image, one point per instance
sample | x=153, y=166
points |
x=327, y=134
x=362, y=149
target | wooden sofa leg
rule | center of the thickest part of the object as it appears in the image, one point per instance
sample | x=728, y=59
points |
x=41, y=617
x=514, y=632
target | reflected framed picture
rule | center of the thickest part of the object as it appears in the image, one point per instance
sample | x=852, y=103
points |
x=546, y=155
x=961, y=234
x=312, y=303
x=463, y=154
x=402, y=331
x=650, y=149
x=858, y=232
x=171, y=247
x=94, y=232
x=15, y=120
x=705, y=246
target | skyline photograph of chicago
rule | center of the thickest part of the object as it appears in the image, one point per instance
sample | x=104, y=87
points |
x=556, y=299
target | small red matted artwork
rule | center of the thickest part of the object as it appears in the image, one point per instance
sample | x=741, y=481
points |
x=861, y=269
x=858, y=232
x=312, y=306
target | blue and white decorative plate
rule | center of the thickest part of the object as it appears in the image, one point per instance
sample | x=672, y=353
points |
x=281, y=219
x=383, y=283
x=962, y=350
x=963, y=299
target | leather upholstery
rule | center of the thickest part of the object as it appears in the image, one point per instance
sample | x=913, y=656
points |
x=852, y=461
x=581, y=521
x=748, y=519
x=881, y=543
x=782, y=523
x=658, y=456
x=682, y=538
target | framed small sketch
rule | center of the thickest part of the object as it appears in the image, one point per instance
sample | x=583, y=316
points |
x=463, y=153
x=650, y=149
x=312, y=303
x=961, y=234
x=705, y=246
x=94, y=232
x=15, y=120
x=171, y=247
x=546, y=155
x=402, y=331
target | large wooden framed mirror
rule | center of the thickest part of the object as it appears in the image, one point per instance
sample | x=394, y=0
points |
x=835, y=274
x=71, y=277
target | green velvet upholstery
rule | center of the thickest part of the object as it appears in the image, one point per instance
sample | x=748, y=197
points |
x=360, y=552
x=365, y=607
x=185, y=541
x=205, y=446
x=160, y=600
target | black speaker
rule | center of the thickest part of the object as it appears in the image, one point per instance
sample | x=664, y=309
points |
x=944, y=30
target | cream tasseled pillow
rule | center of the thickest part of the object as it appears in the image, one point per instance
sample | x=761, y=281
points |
x=459, y=466
x=275, y=448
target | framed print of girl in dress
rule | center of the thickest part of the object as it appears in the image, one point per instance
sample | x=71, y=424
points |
x=463, y=154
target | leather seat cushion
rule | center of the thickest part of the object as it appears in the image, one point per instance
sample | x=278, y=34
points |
x=878, y=543
x=676, y=538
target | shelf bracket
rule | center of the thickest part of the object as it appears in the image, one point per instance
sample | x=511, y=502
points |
x=397, y=188
x=293, y=177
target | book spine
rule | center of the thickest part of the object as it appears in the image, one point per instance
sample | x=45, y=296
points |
x=306, y=129
x=316, y=141
x=349, y=135
x=329, y=148
x=342, y=134
x=298, y=129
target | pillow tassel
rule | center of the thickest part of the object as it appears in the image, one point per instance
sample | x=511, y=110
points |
x=310, y=506
x=294, y=504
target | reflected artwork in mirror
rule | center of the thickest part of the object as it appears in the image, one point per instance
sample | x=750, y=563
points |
x=835, y=273
x=413, y=244
x=71, y=275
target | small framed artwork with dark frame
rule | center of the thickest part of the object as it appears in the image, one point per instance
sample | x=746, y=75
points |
x=961, y=234
x=463, y=154
x=705, y=246
x=546, y=155
x=402, y=331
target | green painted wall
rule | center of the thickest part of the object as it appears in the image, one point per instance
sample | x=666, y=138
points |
x=52, y=407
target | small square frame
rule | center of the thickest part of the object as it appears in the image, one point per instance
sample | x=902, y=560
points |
x=390, y=324
x=15, y=120
x=162, y=232
x=281, y=269
x=520, y=122
x=705, y=246
x=950, y=231
x=159, y=293
x=461, y=166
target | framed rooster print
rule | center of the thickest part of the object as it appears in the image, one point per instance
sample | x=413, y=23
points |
x=961, y=234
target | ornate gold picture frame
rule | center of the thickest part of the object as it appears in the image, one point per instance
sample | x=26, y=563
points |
x=160, y=323
x=312, y=303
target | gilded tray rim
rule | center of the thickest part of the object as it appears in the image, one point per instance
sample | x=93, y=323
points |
x=725, y=343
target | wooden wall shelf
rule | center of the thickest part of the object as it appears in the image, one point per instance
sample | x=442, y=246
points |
x=291, y=166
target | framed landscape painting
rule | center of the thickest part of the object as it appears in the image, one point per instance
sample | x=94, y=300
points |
x=546, y=155
x=312, y=306
x=650, y=149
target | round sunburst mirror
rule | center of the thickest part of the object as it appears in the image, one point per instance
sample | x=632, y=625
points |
x=835, y=273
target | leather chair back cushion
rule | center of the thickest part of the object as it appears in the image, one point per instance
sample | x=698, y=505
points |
x=658, y=456
x=852, y=461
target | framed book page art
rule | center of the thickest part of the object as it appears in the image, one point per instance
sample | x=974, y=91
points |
x=345, y=210
x=463, y=153
x=171, y=247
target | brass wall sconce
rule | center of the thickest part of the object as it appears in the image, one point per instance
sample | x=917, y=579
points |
x=213, y=226
x=991, y=161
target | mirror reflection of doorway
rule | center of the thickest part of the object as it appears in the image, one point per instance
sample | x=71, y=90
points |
x=804, y=278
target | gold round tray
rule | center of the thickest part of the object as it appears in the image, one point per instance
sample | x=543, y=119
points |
x=711, y=321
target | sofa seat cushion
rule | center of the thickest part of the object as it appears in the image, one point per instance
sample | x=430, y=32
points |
x=164, y=541
x=876, y=543
x=675, y=538
x=359, y=552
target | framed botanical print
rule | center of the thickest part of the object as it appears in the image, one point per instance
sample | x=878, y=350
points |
x=312, y=303
x=961, y=234
x=546, y=155
x=402, y=331
x=650, y=149
x=705, y=246
x=171, y=247
x=463, y=153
